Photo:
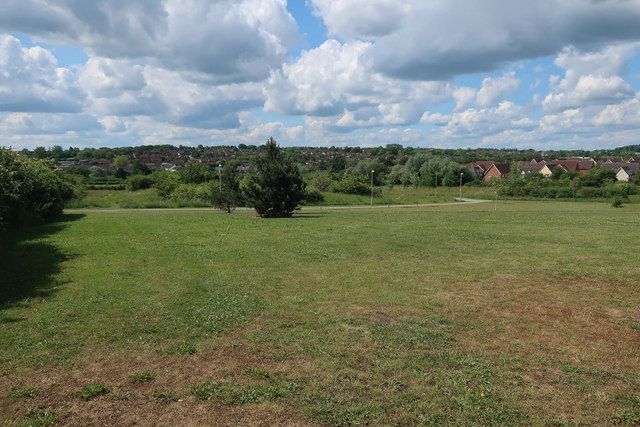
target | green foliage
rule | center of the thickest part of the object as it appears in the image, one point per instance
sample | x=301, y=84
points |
x=142, y=377
x=138, y=182
x=139, y=168
x=166, y=182
x=22, y=393
x=617, y=201
x=226, y=193
x=121, y=162
x=353, y=184
x=234, y=393
x=313, y=195
x=275, y=187
x=188, y=192
x=165, y=396
x=97, y=172
x=195, y=173
x=30, y=190
x=88, y=392
x=41, y=416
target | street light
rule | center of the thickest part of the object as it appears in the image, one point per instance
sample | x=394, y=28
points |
x=220, y=176
x=372, y=188
x=460, y=186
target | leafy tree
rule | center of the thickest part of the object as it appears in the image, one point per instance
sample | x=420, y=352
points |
x=97, y=172
x=195, y=173
x=230, y=195
x=121, y=162
x=275, y=187
x=139, y=168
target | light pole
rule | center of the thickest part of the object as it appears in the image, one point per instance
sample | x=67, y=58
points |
x=372, y=188
x=220, y=176
x=460, y=186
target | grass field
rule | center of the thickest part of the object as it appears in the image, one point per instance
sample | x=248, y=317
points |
x=443, y=315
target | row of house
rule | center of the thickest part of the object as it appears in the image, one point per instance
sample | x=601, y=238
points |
x=625, y=169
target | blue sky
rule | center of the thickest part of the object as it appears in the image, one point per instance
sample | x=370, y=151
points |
x=431, y=73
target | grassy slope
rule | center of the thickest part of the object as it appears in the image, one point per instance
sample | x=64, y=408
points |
x=447, y=314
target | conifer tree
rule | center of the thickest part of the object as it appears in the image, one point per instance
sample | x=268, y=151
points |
x=275, y=187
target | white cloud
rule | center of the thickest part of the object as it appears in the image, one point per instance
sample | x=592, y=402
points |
x=592, y=78
x=31, y=81
x=495, y=89
x=48, y=124
x=224, y=41
x=336, y=83
x=464, y=96
x=438, y=39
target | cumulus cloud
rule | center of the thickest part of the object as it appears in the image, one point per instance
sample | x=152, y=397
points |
x=31, y=81
x=496, y=89
x=592, y=78
x=438, y=39
x=336, y=83
x=224, y=40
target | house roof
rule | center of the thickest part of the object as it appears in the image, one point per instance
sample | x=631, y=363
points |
x=503, y=168
x=532, y=168
x=570, y=165
x=484, y=165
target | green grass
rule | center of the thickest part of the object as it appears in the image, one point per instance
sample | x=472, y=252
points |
x=441, y=315
x=110, y=199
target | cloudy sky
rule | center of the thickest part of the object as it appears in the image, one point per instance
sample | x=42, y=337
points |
x=549, y=74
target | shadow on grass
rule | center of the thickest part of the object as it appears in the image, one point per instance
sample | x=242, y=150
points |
x=27, y=264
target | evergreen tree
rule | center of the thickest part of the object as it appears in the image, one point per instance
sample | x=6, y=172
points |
x=275, y=187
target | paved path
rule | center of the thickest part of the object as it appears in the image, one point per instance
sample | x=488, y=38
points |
x=304, y=208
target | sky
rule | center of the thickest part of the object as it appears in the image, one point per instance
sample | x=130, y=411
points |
x=546, y=75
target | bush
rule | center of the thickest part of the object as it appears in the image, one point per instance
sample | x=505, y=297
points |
x=617, y=201
x=166, y=183
x=351, y=185
x=190, y=192
x=138, y=182
x=312, y=195
x=30, y=189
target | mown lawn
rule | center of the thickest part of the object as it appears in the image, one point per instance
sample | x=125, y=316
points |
x=452, y=314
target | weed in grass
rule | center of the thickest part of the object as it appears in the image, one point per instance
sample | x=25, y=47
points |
x=181, y=348
x=142, y=377
x=234, y=393
x=88, y=392
x=22, y=393
x=41, y=416
x=256, y=373
x=165, y=396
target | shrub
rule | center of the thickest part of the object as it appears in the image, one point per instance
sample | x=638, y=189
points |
x=166, y=183
x=138, y=182
x=189, y=192
x=616, y=202
x=351, y=185
x=312, y=195
x=30, y=189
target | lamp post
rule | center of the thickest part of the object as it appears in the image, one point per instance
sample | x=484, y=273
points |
x=220, y=176
x=372, y=188
x=461, y=186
